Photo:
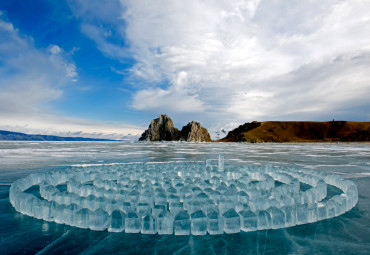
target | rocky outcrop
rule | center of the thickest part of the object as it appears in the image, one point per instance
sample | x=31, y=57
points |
x=161, y=129
x=194, y=132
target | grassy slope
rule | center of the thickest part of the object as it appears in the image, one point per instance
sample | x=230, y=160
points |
x=306, y=131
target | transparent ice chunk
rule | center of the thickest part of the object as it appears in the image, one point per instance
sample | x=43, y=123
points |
x=182, y=223
x=132, y=223
x=302, y=214
x=116, y=221
x=215, y=225
x=60, y=214
x=243, y=197
x=231, y=221
x=82, y=218
x=193, y=206
x=126, y=207
x=277, y=218
x=165, y=222
x=290, y=215
x=148, y=224
x=110, y=206
x=140, y=195
x=240, y=207
x=225, y=205
x=264, y=220
x=157, y=209
x=248, y=221
x=312, y=212
x=160, y=199
x=231, y=194
x=198, y=223
x=49, y=210
x=173, y=198
x=221, y=162
x=98, y=220
x=143, y=208
x=176, y=207
x=202, y=197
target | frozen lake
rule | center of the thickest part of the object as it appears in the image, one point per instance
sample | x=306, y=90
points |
x=346, y=234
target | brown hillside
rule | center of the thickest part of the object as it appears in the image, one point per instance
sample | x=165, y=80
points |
x=301, y=131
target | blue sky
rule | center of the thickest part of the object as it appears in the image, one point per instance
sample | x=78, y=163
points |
x=105, y=68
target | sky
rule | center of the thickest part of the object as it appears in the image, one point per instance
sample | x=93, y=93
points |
x=106, y=68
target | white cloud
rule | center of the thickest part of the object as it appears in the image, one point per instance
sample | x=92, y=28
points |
x=58, y=58
x=244, y=59
x=178, y=96
x=259, y=52
x=55, y=49
x=103, y=24
x=29, y=77
x=316, y=90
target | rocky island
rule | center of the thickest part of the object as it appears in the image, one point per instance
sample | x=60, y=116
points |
x=162, y=129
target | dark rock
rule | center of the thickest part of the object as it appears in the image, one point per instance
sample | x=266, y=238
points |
x=237, y=133
x=194, y=132
x=161, y=129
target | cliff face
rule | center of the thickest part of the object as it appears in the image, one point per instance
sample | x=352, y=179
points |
x=162, y=129
x=194, y=132
x=303, y=131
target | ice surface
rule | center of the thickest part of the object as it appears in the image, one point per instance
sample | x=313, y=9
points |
x=183, y=198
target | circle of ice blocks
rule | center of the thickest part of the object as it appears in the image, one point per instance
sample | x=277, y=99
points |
x=182, y=198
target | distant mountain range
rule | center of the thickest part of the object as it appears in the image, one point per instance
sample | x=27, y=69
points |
x=300, y=131
x=15, y=136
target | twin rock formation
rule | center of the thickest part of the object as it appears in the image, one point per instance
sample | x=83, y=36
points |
x=162, y=129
